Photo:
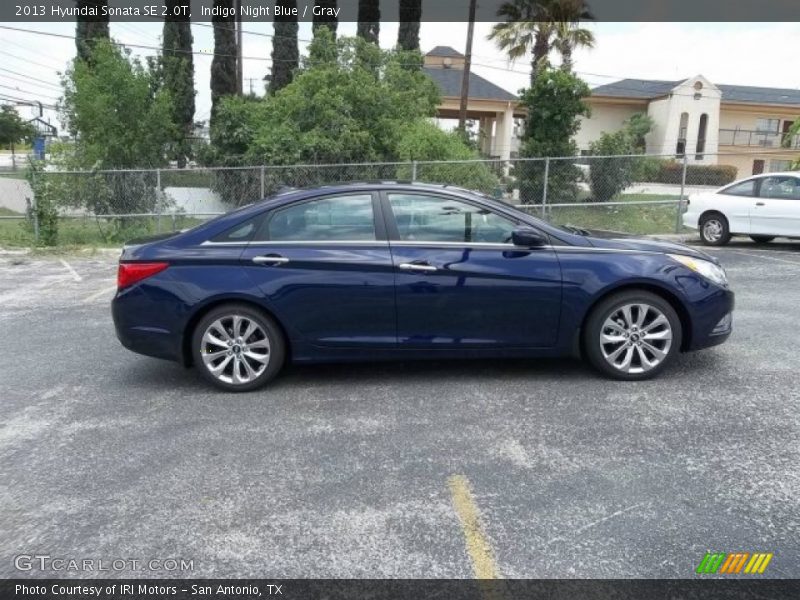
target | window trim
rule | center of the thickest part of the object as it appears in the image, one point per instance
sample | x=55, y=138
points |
x=394, y=233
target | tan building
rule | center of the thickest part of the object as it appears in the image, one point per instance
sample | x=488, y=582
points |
x=494, y=109
x=737, y=125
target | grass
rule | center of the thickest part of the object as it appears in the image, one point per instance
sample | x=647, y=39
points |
x=87, y=232
x=635, y=219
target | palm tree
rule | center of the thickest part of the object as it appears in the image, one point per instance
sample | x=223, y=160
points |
x=532, y=26
x=569, y=35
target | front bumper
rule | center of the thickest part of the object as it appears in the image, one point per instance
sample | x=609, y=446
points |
x=713, y=321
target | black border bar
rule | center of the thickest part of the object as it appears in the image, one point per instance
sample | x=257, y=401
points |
x=451, y=11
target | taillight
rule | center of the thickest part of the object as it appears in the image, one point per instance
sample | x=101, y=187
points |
x=130, y=273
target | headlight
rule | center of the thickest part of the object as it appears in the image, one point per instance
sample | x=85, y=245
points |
x=706, y=268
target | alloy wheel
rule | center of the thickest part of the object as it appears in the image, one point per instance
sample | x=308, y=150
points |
x=235, y=349
x=635, y=338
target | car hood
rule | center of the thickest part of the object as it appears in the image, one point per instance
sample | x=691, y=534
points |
x=602, y=240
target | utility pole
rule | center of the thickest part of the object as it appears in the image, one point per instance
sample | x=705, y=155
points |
x=239, y=69
x=462, y=112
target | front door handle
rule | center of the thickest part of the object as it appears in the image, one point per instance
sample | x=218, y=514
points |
x=759, y=204
x=416, y=267
x=270, y=260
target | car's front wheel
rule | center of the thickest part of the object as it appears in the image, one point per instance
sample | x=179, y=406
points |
x=714, y=230
x=238, y=348
x=632, y=335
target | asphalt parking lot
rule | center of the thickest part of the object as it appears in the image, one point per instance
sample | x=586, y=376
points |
x=376, y=470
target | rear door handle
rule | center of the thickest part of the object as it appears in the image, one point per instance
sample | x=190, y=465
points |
x=270, y=260
x=759, y=204
x=416, y=267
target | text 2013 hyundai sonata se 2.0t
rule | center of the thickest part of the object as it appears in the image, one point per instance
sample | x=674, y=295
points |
x=410, y=271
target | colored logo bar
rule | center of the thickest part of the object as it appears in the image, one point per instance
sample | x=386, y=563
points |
x=734, y=563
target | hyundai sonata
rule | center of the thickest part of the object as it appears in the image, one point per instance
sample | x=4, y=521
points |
x=410, y=271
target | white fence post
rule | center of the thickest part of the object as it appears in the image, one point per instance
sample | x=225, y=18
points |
x=413, y=170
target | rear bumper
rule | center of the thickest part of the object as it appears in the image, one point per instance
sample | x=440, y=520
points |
x=138, y=322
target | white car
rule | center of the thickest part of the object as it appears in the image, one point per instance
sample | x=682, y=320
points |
x=763, y=207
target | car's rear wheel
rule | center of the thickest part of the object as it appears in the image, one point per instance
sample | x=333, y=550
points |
x=714, y=230
x=238, y=348
x=632, y=335
x=762, y=239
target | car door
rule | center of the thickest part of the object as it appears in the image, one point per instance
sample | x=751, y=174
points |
x=735, y=202
x=461, y=283
x=324, y=266
x=776, y=209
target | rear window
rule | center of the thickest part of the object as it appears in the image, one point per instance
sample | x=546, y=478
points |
x=243, y=232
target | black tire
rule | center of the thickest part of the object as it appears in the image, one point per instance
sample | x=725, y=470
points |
x=606, y=308
x=272, y=333
x=762, y=239
x=714, y=230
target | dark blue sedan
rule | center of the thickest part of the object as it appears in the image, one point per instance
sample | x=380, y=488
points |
x=410, y=271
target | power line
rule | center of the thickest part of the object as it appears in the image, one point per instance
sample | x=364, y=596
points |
x=146, y=47
x=28, y=78
x=16, y=89
x=265, y=59
x=28, y=61
x=33, y=83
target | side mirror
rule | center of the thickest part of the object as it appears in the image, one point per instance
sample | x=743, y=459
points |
x=528, y=237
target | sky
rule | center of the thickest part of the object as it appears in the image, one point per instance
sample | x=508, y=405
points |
x=758, y=54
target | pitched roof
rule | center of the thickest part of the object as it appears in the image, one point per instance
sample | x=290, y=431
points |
x=648, y=89
x=445, y=51
x=449, y=84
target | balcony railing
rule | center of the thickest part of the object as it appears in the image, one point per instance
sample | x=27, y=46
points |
x=763, y=139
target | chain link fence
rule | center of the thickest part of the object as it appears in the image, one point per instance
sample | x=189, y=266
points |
x=637, y=194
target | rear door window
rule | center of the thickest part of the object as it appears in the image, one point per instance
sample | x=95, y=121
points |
x=745, y=188
x=333, y=218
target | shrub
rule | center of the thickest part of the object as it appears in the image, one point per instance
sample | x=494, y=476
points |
x=718, y=175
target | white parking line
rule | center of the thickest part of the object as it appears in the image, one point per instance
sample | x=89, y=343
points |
x=99, y=294
x=72, y=271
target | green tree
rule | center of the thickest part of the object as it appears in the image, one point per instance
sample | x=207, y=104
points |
x=178, y=74
x=352, y=102
x=637, y=127
x=90, y=29
x=617, y=168
x=223, y=65
x=120, y=118
x=324, y=18
x=555, y=105
x=369, y=20
x=410, y=17
x=13, y=129
x=569, y=35
x=532, y=25
x=285, y=53
x=792, y=139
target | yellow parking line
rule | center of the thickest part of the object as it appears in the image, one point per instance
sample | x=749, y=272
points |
x=478, y=547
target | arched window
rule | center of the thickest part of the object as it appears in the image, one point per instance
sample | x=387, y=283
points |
x=680, y=147
x=701, y=136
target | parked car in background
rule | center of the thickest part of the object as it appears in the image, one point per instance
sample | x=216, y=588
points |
x=410, y=271
x=762, y=207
